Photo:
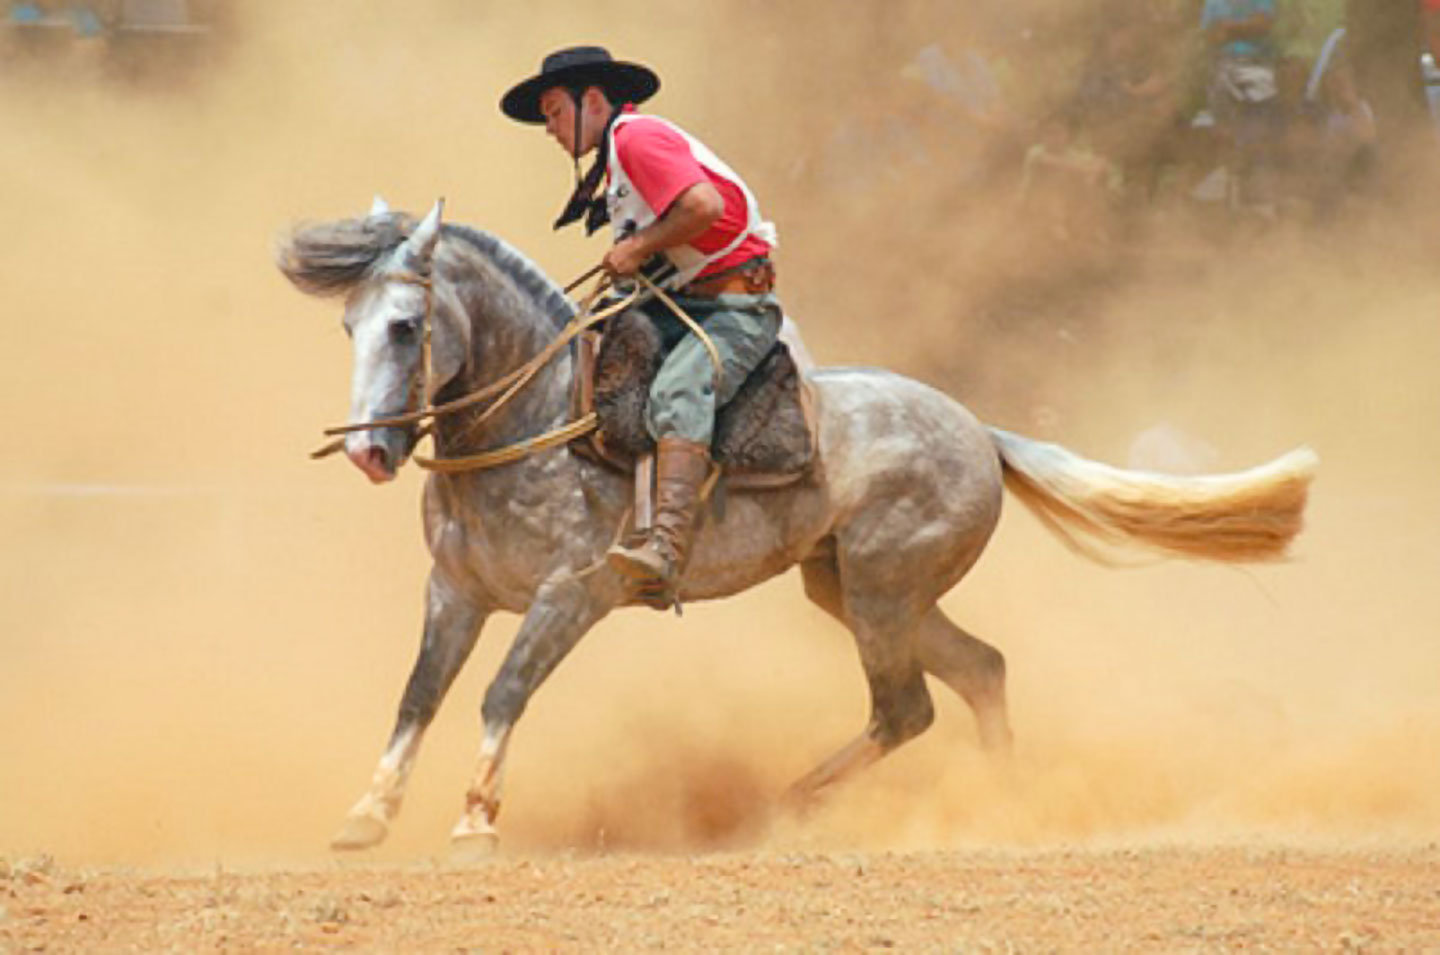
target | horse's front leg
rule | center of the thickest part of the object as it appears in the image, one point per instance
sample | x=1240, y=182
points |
x=563, y=611
x=452, y=625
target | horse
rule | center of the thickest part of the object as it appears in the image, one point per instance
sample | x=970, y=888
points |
x=901, y=502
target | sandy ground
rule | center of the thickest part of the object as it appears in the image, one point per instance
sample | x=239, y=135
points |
x=1152, y=899
x=203, y=635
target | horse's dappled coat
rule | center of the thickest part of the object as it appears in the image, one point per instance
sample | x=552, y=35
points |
x=909, y=492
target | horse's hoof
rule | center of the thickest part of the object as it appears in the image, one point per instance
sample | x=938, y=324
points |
x=471, y=842
x=474, y=847
x=359, y=832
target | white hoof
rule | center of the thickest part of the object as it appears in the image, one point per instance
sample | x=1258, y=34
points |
x=359, y=832
x=471, y=840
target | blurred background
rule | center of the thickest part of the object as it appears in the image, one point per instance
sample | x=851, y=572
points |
x=1040, y=207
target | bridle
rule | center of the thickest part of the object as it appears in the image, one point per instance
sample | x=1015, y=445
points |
x=505, y=388
x=426, y=415
x=420, y=396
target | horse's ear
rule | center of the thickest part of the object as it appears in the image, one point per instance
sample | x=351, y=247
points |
x=421, y=243
x=378, y=207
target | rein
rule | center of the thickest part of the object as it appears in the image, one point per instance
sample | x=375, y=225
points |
x=505, y=387
x=510, y=384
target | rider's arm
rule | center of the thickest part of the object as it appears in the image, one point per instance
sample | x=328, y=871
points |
x=692, y=213
x=661, y=167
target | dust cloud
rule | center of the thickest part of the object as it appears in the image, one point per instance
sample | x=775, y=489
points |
x=205, y=634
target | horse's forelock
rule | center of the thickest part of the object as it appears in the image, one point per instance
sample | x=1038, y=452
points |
x=331, y=258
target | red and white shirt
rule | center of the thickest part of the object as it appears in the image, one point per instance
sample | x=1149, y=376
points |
x=653, y=161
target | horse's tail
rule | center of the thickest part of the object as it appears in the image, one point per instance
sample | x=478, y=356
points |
x=1246, y=516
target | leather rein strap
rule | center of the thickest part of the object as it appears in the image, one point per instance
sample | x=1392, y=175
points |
x=510, y=384
x=581, y=426
x=506, y=388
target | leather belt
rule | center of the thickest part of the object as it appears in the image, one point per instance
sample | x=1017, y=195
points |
x=755, y=277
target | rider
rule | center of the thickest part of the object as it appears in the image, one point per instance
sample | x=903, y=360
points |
x=684, y=217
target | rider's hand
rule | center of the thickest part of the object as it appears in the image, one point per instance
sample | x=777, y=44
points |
x=625, y=257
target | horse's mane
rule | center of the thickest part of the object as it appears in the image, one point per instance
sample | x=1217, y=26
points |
x=526, y=275
x=331, y=258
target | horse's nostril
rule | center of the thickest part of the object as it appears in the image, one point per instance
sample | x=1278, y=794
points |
x=375, y=460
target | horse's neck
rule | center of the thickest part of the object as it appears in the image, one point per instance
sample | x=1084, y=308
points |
x=504, y=337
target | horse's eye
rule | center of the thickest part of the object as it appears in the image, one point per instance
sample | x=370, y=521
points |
x=404, y=331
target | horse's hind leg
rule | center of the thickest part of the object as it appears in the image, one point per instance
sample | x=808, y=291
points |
x=452, y=625
x=900, y=704
x=970, y=667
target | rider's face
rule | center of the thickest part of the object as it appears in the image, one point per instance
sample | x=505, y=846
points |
x=558, y=108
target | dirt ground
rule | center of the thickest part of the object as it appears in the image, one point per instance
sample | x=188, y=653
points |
x=1156, y=899
x=204, y=635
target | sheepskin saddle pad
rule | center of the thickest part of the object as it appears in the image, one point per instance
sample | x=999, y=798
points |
x=763, y=430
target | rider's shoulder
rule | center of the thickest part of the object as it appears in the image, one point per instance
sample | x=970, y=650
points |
x=646, y=139
x=634, y=127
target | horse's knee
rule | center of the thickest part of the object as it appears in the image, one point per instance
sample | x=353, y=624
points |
x=421, y=699
x=504, y=702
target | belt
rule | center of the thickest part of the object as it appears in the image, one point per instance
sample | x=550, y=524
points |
x=753, y=277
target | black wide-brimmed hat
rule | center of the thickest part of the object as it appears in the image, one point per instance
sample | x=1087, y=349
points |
x=577, y=67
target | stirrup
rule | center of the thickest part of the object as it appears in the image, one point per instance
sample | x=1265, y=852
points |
x=658, y=595
x=654, y=592
x=623, y=557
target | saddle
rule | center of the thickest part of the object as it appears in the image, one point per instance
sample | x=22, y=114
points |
x=764, y=437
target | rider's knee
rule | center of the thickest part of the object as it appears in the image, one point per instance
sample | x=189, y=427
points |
x=682, y=412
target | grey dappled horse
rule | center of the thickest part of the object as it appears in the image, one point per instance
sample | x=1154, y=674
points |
x=906, y=495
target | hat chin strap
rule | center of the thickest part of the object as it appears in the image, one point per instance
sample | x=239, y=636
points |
x=577, y=95
x=582, y=203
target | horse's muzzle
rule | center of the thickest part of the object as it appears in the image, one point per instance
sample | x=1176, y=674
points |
x=379, y=453
x=374, y=461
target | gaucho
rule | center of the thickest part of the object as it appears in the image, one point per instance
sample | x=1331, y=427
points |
x=682, y=215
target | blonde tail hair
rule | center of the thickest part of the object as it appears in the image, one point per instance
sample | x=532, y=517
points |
x=1246, y=516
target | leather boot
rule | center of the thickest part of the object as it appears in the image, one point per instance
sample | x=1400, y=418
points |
x=680, y=470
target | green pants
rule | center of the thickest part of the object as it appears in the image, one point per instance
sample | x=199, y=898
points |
x=683, y=397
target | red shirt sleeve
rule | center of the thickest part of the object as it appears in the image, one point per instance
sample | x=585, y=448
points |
x=658, y=161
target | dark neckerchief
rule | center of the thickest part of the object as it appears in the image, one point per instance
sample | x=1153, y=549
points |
x=583, y=202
